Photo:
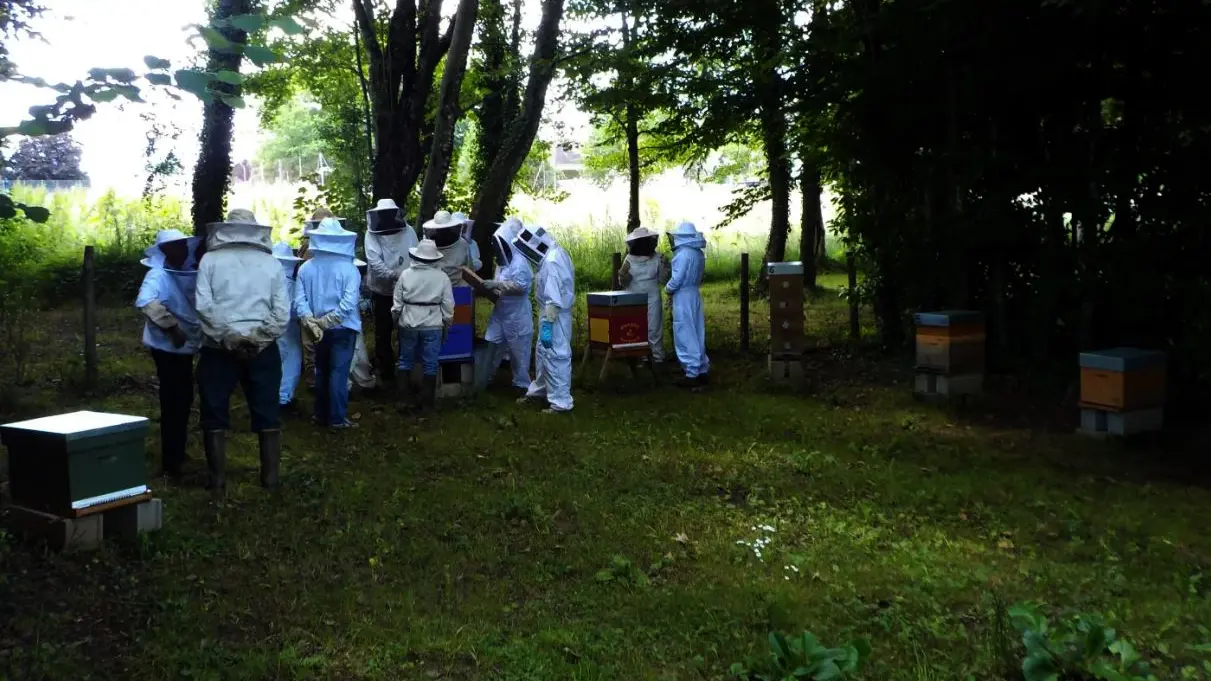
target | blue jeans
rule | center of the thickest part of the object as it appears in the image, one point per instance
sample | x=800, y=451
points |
x=423, y=343
x=333, y=357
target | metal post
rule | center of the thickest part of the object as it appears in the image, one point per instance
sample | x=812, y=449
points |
x=744, y=302
x=90, y=319
x=615, y=265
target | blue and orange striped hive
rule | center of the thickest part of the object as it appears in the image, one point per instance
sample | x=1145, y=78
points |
x=458, y=346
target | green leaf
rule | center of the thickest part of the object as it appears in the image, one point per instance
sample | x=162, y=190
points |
x=232, y=101
x=777, y=643
x=214, y=39
x=260, y=55
x=159, y=79
x=1039, y=667
x=32, y=128
x=229, y=77
x=7, y=209
x=120, y=75
x=36, y=213
x=156, y=63
x=1126, y=652
x=287, y=24
x=604, y=575
x=193, y=81
x=104, y=95
x=248, y=23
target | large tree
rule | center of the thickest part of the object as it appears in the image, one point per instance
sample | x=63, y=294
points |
x=55, y=157
x=492, y=196
x=403, y=46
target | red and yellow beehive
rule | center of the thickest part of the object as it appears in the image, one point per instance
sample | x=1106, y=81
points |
x=618, y=321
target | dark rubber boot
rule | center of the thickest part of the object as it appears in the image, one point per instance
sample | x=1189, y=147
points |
x=271, y=455
x=215, y=444
x=428, y=395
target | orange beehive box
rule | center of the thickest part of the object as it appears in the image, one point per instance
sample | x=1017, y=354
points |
x=1123, y=379
x=950, y=342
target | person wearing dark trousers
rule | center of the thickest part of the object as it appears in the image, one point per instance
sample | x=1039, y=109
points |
x=171, y=333
x=243, y=308
x=388, y=239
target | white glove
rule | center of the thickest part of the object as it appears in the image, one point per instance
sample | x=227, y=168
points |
x=492, y=284
x=550, y=312
x=312, y=331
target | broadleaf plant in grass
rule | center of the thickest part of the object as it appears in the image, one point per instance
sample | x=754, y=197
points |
x=803, y=658
x=1081, y=648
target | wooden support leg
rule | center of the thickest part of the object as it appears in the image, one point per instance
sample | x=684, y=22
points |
x=605, y=366
x=631, y=367
x=584, y=363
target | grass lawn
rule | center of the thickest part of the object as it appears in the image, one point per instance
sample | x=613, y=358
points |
x=616, y=542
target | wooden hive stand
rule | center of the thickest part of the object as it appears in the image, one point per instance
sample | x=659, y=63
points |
x=1122, y=392
x=618, y=329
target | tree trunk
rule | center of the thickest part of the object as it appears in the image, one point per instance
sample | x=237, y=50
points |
x=401, y=78
x=448, y=109
x=212, y=174
x=631, y=125
x=492, y=197
x=773, y=134
x=811, y=236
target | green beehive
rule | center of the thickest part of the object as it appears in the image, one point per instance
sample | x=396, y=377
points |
x=69, y=463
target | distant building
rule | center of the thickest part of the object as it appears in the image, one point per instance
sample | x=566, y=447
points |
x=567, y=161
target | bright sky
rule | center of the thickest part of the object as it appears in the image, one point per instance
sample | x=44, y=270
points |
x=82, y=34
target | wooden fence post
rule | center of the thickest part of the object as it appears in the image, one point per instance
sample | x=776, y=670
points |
x=851, y=267
x=615, y=265
x=90, y=319
x=744, y=333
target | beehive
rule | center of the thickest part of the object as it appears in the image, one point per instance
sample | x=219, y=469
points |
x=459, y=342
x=619, y=320
x=787, y=332
x=950, y=342
x=69, y=463
x=1122, y=379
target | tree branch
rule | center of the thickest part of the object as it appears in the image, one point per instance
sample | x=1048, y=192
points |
x=364, y=12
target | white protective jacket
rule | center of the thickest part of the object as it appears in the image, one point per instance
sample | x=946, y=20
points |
x=423, y=298
x=241, y=291
x=387, y=258
x=648, y=274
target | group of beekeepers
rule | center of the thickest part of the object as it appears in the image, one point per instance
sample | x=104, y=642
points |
x=253, y=312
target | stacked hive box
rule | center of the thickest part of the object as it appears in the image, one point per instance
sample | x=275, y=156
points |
x=1122, y=391
x=456, y=355
x=618, y=321
x=71, y=463
x=786, y=335
x=950, y=353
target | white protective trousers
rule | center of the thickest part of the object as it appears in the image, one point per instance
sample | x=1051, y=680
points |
x=645, y=278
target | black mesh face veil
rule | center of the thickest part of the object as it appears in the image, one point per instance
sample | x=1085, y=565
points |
x=504, y=252
x=645, y=246
x=443, y=236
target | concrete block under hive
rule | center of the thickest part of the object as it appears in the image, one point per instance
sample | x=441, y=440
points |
x=458, y=345
x=73, y=464
x=787, y=328
x=1098, y=422
x=1122, y=379
x=950, y=342
x=618, y=320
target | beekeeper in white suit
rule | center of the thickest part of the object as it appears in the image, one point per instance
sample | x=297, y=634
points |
x=511, y=326
x=290, y=344
x=468, y=235
x=646, y=271
x=555, y=292
x=689, y=319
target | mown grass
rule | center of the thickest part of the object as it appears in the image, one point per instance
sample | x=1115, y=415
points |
x=497, y=543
